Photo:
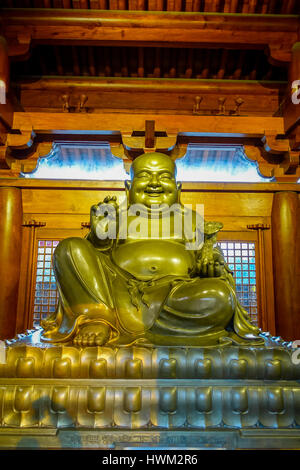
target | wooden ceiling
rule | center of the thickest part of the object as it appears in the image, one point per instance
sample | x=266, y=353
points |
x=127, y=61
x=155, y=61
x=148, y=62
x=283, y=7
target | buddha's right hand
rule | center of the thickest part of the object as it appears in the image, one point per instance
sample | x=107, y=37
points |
x=103, y=218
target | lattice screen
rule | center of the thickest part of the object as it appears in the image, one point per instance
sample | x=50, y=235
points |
x=240, y=257
x=46, y=294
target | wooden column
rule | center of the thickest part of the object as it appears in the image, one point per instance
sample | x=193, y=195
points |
x=10, y=252
x=4, y=65
x=286, y=263
x=6, y=114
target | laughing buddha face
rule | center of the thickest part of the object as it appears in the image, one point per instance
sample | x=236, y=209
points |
x=153, y=180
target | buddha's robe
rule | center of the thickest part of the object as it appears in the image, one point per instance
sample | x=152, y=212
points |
x=142, y=297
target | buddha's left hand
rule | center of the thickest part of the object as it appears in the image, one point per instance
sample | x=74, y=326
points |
x=211, y=267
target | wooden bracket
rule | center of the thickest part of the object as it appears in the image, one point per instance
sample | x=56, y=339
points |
x=196, y=106
x=33, y=223
x=221, y=107
x=254, y=153
x=238, y=103
x=275, y=157
x=259, y=227
x=22, y=141
x=289, y=160
x=279, y=55
x=139, y=142
x=19, y=46
x=68, y=103
x=274, y=146
x=14, y=160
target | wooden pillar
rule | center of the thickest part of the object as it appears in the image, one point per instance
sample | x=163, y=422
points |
x=286, y=263
x=10, y=252
x=4, y=70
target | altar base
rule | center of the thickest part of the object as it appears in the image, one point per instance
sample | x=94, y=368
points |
x=230, y=397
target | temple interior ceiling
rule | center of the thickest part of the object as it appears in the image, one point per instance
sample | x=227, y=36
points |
x=198, y=58
x=55, y=55
x=148, y=62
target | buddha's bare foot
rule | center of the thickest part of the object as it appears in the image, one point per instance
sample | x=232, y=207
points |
x=93, y=334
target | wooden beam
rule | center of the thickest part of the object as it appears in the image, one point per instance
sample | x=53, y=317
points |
x=212, y=126
x=262, y=145
x=27, y=183
x=115, y=83
x=150, y=94
x=157, y=28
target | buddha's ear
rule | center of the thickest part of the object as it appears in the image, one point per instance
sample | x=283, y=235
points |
x=179, y=186
x=127, y=188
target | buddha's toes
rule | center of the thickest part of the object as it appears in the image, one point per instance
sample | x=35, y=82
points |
x=93, y=334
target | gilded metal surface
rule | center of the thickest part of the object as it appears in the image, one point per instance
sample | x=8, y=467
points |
x=149, y=388
x=230, y=362
x=103, y=404
x=149, y=347
x=144, y=290
x=64, y=396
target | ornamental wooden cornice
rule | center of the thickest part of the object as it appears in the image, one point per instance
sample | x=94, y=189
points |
x=130, y=135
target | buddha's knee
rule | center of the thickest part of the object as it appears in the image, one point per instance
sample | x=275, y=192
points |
x=220, y=294
x=76, y=266
x=72, y=251
x=206, y=296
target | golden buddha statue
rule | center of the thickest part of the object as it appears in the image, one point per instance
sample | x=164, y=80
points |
x=132, y=281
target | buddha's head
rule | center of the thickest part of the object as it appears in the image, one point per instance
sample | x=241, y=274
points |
x=153, y=180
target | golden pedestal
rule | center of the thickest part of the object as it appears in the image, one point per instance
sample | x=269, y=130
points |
x=97, y=397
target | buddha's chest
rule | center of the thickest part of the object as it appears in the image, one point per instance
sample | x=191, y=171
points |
x=146, y=259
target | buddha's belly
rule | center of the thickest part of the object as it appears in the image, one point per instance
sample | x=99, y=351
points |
x=155, y=258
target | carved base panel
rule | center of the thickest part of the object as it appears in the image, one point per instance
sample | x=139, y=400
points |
x=230, y=397
x=28, y=357
x=128, y=439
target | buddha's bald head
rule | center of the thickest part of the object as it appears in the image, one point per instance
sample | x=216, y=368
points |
x=152, y=160
x=153, y=180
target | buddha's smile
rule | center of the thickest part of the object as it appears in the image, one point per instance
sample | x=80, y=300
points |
x=154, y=192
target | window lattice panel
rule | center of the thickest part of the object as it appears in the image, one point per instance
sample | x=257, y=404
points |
x=46, y=294
x=240, y=257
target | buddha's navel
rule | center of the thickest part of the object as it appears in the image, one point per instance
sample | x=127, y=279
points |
x=146, y=258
